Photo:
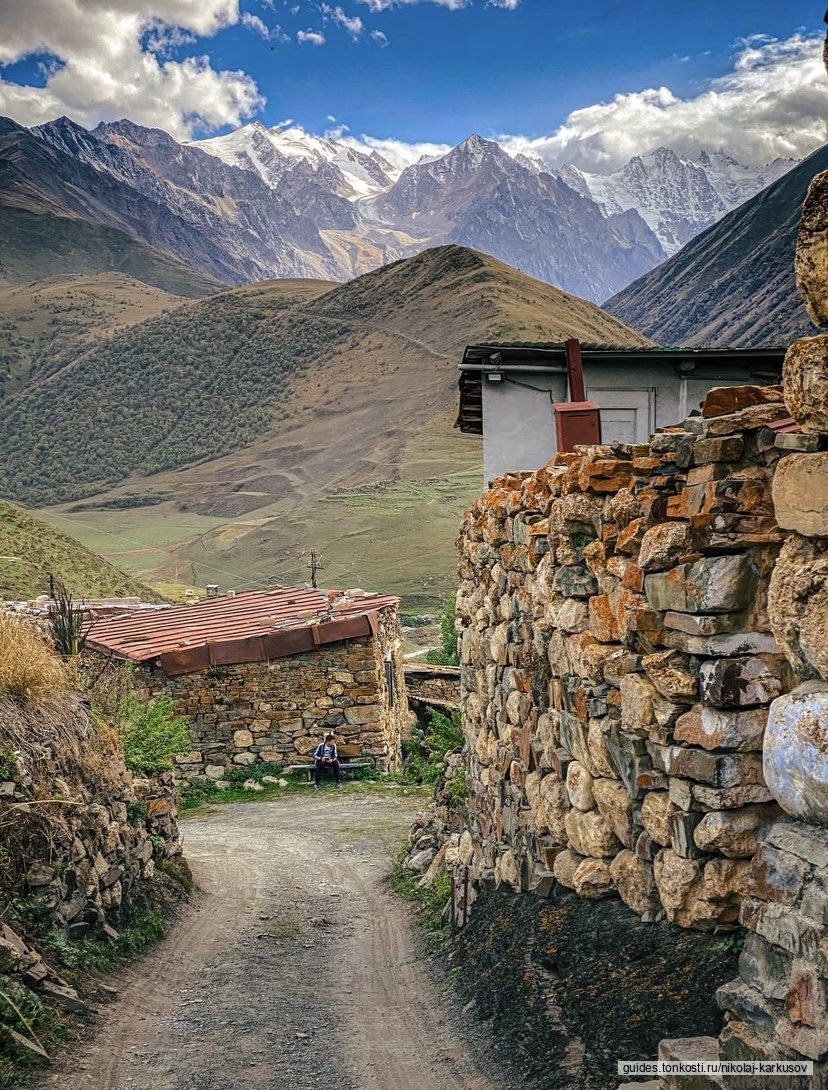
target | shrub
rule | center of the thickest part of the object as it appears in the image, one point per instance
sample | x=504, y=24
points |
x=446, y=655
x=152, y=735
x=443, y=736
x=30, y=672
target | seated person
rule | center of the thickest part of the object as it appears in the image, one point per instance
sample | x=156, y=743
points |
x=326, y=756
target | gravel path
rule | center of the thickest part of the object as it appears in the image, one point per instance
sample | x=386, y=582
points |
x=293, y=969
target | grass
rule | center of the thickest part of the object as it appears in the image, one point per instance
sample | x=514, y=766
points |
x=428, y=904
x=30, y=671
x=31, y=550
x=25, y=1013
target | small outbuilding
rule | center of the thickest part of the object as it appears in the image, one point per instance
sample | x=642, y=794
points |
x=508, y=392
x=262, y=675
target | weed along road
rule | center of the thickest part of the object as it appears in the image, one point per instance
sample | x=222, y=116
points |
x=294, y=967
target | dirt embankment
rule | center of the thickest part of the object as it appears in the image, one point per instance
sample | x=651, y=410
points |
x=569, y=986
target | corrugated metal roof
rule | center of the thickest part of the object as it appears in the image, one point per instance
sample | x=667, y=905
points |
x=249, y=627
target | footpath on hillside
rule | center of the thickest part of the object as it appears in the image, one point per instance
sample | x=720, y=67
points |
x=295, y=968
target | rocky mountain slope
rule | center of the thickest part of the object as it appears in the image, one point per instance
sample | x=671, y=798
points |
x=258, y=202
x=32, y=550
x=283, y=414
x=733, y=284
x=676, y=196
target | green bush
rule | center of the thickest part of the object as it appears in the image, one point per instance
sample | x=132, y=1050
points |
x=446, y=655
x=443, y=736
x=152, y=735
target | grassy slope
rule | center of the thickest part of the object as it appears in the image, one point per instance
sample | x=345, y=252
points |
x=734, y=284
x=31, y=550
x=36, y=246
x=46, y=324
x=355, y=454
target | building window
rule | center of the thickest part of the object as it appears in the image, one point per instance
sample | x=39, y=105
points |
x=389, y=679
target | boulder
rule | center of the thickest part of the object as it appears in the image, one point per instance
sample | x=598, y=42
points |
x=800, y=494
x=635, y=882
x=565, y=867
x=579, y=787
x=798, y=606
x=806, y=383
x=811, y=261
x=795, y=754
x=590, y=834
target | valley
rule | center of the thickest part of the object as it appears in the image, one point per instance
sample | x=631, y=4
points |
x=350, y=447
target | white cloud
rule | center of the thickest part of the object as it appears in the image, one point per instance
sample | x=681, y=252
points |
x=255, y=24
x=398, y=153
x=772, y=103
x=353, y=24
x=380, y=38
x=310, y=37
x=111, y=60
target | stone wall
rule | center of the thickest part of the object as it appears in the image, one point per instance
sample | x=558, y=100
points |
x=83, y=829
x=438, y=686
x=636, y=624
x=278, y=711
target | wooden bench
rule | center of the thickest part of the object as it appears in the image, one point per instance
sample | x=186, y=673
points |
x=349, y=760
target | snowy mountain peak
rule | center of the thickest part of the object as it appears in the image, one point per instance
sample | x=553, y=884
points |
x=275, y=151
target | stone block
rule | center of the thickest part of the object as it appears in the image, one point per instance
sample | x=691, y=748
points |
x=670, y=673
x=682, y=826
x=778, y=876
x=615, y=806
x=637, y=703
x=811, y=260
x=729, y=448
x=716, y=728
x=749, y=1005
x=783, y=926
x=565, y=867
x=688, y=1049
x=634, y=879
x=796, y=752
x=663, y=545
x=798, y=605
x=590, y=834
x=800, y=494
x=729, y=798
x=722, y=400
x=765, y=967
x=743, y=682
x=808, y=842
x=734, y=833
x=593, y=880
x=720, y=584
x=574, y=581
x=725, y=645
x=579, y=787
x=655, y=811
x=716, y=769
x=754, y=416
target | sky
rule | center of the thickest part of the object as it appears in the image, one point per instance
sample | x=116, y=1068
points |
x=591, y=82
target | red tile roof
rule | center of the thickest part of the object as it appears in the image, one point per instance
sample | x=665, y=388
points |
x=253, y=626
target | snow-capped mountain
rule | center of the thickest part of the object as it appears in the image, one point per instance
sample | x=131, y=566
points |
x=279, y=202
x=273, y=152
x=678, y=197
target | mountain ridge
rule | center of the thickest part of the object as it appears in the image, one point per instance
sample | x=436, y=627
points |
x=733, y=285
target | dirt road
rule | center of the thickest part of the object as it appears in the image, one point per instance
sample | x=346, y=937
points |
x=294, y=969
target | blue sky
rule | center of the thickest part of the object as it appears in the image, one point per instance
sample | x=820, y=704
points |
x=447, y=73
x=590, y=82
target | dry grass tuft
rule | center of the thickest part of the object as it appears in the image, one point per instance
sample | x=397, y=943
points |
x=30, y=671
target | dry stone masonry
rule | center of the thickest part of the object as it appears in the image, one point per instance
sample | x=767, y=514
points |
x=645, y=689
x=277, y=711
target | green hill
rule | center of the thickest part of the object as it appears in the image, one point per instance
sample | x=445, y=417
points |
x=36, y=246
x=31, y=550
x=214, y=377
x=241, y=430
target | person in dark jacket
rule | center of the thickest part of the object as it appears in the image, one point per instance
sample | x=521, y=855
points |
x=326, y=756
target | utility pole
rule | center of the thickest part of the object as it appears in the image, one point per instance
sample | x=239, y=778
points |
x=315, y=565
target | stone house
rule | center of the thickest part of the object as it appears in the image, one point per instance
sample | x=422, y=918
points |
x=262, y=675
x=507, y=392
